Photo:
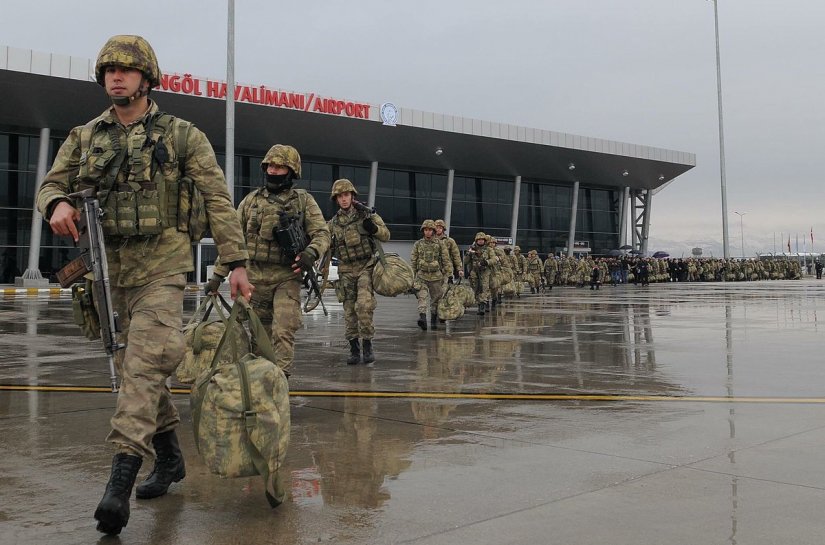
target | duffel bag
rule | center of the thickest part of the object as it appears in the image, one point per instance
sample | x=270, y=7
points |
x=451, y=304
x=391, y=275
x=240, y=411
x=202, y=334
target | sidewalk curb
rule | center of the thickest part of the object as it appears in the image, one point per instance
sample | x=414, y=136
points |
x=58, y=292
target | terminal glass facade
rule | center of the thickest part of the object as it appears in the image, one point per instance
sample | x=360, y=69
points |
x=404, y=198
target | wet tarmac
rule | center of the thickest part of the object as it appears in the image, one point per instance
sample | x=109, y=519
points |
x=678, y=414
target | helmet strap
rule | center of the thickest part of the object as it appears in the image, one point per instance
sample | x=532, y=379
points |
x=143, y=90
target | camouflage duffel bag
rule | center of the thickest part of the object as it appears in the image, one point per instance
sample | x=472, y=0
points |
x=240, y=411
x=468, y=296
x=509, y=289
x=202, y=335
x=451, y=304
x=392, y=275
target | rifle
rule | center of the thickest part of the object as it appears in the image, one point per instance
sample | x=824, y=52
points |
x=361, y=207
x=92, y=259
x=292, y=238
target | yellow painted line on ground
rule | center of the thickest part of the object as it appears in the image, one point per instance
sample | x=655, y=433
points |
x=448, y=395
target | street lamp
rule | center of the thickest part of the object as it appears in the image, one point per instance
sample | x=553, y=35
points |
x=725, y=242
x=741, y=231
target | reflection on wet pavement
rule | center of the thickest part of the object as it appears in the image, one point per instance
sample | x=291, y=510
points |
x=625, y=469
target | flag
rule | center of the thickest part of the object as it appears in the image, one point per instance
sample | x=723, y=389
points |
x=789, y=243
x=812, y=237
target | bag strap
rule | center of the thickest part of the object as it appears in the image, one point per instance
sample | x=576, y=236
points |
x=215, y=301
x=380, y=248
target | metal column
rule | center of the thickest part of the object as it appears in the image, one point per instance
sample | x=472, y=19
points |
x=623, y=217
x=448, y=204
x=646, y=222
x=373, y=183
x=573, y=210
x=516, y=199
x=229, y=164
x=32, y=271
x=641, y=201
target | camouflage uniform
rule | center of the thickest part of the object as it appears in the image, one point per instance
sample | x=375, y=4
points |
x=452, y=247
x=353, y=247
x=431, y=264
x=551, y=269
x=534, y=269
x=521, y=269
x=277, y=295
x=480, y=260
x=498, y=274
x=147, y=273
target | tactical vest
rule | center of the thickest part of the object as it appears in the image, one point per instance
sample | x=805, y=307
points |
x=351, y=242
x=478, y=259
x=150, y=195
x=429, y=257
x=263, y=216
x=534, y=265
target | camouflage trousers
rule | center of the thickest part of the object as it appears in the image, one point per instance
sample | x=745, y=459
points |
x=495, y=282
x=429, y=294
x=279, y=308
x=480, y=281
x=354, y=290
x=151, y=318
x=534, y=279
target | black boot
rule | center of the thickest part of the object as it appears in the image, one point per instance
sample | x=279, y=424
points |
x=481, y=309
x=532, y=289
x=433, y=320
x=112, y=512
x=493, y=303
x=169, y=467
x=422, y=321
x=369, y=357
x=354, y=352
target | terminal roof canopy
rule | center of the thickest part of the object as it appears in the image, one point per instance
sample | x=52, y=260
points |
x=33, y=101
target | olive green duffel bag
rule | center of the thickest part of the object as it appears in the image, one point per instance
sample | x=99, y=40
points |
x=392, y=275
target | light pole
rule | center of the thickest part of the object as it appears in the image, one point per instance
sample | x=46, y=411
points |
x=741, y=232
x=725, y=242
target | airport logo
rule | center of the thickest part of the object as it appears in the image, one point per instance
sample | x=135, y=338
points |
x=389, y=114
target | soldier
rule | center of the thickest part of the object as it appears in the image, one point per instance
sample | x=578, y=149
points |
x=521, y=270
x=480, y=259
x=551, y=269
x=534, y=269
x=432, y=265
x=353, y=231
x=134, y=152
x=513, y=263
x=498, y=276
x=276, y=275
x=452, y=248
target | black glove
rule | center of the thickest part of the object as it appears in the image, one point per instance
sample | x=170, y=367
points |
x=369, y=226
x=304, y=261
x=449, y=279
x=213, y=284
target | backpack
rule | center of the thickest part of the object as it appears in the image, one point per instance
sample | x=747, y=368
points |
x=391, y=275
x=203, y=334
x=240, y=411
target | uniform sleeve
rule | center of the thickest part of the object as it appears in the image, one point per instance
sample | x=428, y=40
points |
x=445, y=258
x=316, y=227
x=455, y=255
x=203, y=169
x=383, y=233
x=414, y=258
x=58, y=181
x=242, y=212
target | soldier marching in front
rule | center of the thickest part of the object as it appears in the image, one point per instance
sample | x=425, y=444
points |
x=432, y=265
x=138, y=161
x=534, y=270
x=353, y=228
x=274, y=271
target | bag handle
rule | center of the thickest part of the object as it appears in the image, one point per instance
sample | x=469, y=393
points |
x=380, y=249
x=209, y=303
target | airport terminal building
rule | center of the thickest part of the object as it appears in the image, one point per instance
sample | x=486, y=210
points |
x=543, y=190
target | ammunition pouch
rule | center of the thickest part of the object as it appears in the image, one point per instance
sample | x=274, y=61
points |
x=84, y=311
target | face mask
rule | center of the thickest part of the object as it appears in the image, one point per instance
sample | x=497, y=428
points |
x=278, y=182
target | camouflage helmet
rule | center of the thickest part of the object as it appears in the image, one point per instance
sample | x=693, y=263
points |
x=518, y=248
x=129, y=51
x=492, y=239
x=342, y=186
x=280, y=154
x=428, y=224
x=532, y=252
x=481, y=235
x=441, y=223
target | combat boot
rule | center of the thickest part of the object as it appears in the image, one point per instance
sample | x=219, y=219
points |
x=493, y=303
x=369, y=357
x=422, y=321
x=112, y=512
x=169, y=467
x=434, y=320
x=481, y=309
x=354, y=352
x=532, y=289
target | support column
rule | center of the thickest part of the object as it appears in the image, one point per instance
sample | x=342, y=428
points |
x=571, y=237
x=634, y=240
x=646, y=222
x=448, y=204
x=623, y=217
x=229, y=164
x=516, y=199
x=32, y=275
x=373, y=183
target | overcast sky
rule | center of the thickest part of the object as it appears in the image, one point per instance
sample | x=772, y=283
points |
x=638, y=71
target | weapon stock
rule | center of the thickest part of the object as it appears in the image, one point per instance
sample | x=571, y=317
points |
x=92, y=259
